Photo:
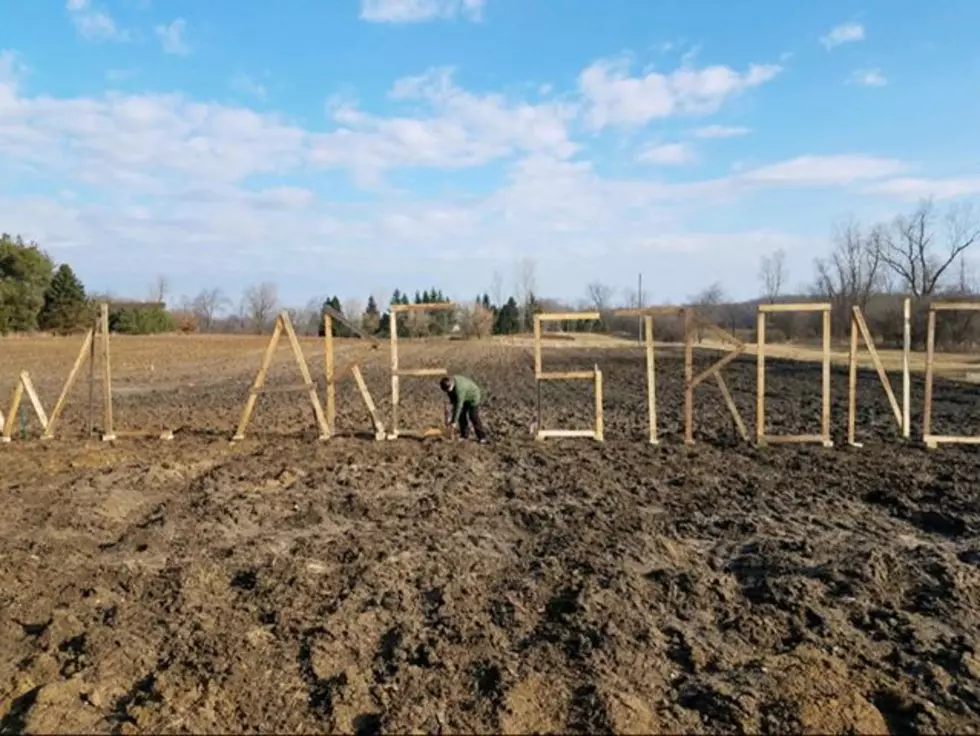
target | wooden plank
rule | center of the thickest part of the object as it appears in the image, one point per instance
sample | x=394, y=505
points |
x=328, y=370
x=339, y=317
x=930, y=358
x=723, y=334
x=794, y=439
x=546, y=433
x=422, y=433
x=393, y=341
x=732, y=408
x=537, y=347
x=304, y=371
x=651, y=378
x=567, y=376
x=379, y=427
x=661, y=311
x=954, y=307
x=59, y=405
x=562, y=316
x=91, y=383
x=8, y=427
x=879, y=367
x=259, y=382
x=906, y=378
x=107, y=430
x=825, y=409
x=760, y=379
x=718, y=366
x=852, y=385
x=688, y=378
x=422, y=372
x=142, y=433
x=442, y=306
x=25, y=378
x=599, y=423
x=938, y=439
x=795, y=307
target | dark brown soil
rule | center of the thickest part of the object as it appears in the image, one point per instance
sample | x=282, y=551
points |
x=283, y=585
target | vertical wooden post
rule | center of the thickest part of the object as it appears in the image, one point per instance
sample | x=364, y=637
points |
x=688, y=378
x=59, y=406
x=329, y=370
x=537, y=346
x=906, y=379
x=599, y=423
x=259, y=382
x=304, y=371
x=393, y=324
x=826, y=380
x=651, y=379
x=760, y=379
x=930, y=356
x=91, y=380
x=108, y=433
x=852, y=384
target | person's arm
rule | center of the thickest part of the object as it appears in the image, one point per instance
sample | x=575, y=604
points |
x=457, y=405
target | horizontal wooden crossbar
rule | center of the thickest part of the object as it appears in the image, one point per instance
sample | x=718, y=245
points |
x=954, y=307
x=138, y=433
x=797, y=307
x=418, y=433
x=421, y=372
x=562, y=316
x=649, y=311
x=339, y=317
x=567, y=376
x=545, y=433
x=939, y=439
x=794, y=439
x=422, y=307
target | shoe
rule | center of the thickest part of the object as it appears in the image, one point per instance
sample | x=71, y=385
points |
x=484, y=441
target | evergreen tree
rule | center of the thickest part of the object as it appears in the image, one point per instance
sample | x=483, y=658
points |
x=418, y=297
x=533, y=308
x=508, y=320
x=338, y=329
x=404, y=299
x=65, y=306
x=371, y=320
x=25, y=273
x=486, y=303
x=396, y=297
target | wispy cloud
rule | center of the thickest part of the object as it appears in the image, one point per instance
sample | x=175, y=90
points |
x=721, y=131
x=173, y=38
x=844, y=33
x=868, y=78
x=417, y=11
x=246, y=85
x=667, y=154
x=93, y=24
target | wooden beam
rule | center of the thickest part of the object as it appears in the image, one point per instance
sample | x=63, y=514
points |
x=340, y=318
x=732, y=408
x=599, y=422
x=328, y=369
x=879, y=367
x=795, y=307
x=688, y=378
x=930, y=358
x=304, y=371
x=25, y=378
x=107, y=430
x=422, y=372
x=59, y=406
x=954, y=307
x=662, y=311
x=825, y=409
x=906, y=379
x=379, y=427
x=567, y=376
x=546, y=433
x=563, y=316
x=393, y=341
x=852, y=385
x=259, y=382
x=651, y=378
x=723, y=334
x=718, y=366
x=938, y=439
x=8, y=427
x=794, y=439
x=760, y=379
x=442, y=306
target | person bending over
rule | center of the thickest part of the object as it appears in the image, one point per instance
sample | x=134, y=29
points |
x=464, y=406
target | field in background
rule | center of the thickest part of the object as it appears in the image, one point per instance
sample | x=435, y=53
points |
x=287, y=585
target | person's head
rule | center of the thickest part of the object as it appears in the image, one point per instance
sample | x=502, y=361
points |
x=446, y=383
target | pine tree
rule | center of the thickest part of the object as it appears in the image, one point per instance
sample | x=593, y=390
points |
x=371, y=320
x=65, y=306
x=508, y=320
x=418, y=297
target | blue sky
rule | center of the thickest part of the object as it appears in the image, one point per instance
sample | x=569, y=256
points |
x=355, y=146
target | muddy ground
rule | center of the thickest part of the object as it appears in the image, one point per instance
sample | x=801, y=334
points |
x=282, y=585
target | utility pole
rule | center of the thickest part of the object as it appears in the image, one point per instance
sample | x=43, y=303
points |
x=639, y=305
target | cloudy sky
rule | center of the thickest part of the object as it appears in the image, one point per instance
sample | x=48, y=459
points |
x=355, y=146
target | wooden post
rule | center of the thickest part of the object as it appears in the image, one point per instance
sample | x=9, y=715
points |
x=651, y=379
x=825, y=414
x=393, y=324
x=379, y=427
x=108, y=433
x=599, y=424
x=688, y=379
x=760, y=380
x=8, y=427
x=852, y=385
x=91, y=381
x=25, y=379
x=259, y=382
x=906, y=379
x=537, y=346
x=930, y=356
x=59, y=406
x=329, y=370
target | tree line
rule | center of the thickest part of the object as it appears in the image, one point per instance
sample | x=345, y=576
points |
x=919, y=254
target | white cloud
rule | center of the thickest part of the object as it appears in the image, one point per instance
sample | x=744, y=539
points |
x=92, y=24
x=825, y=170
x=416, y=11
x=616, y=98
x=244, y=84
x=916, y=188
x=844, y=33
x=868, y=78
x=173, y=37
x=667, y=154
x=721, y=131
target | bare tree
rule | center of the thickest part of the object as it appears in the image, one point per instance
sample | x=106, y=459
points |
x=909, y=248
x=525, y=285
x=160, y=289
x=259, y=305
x=497, y=289
x=772, y=274
x=353, y=310
x=600, y=296
x=206, y=306
x=851, y=274
x=708, y=301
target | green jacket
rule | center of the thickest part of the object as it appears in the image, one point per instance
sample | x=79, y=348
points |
x=464, y=391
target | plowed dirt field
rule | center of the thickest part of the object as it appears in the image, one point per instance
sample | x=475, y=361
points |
x=286, y=585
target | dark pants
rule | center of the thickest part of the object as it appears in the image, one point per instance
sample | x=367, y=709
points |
x=471, y=415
